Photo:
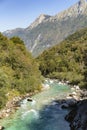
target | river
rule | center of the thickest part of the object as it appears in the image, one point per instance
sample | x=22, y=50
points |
x=43, y=113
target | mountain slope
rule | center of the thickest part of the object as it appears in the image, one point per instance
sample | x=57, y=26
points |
x=19, y=73
x=67, y=61
x=47, y=31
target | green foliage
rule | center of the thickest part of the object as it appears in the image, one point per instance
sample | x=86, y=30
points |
x=3, y=98
x=68, y=60
x=19, y=72
x=85, y=67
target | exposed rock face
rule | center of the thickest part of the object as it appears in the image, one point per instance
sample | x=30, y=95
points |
x=74, y=11
x=47, y=31
x=39, y=20
x=78, y=116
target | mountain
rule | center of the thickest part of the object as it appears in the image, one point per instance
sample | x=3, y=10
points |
x=47, y=31
x=67, y=60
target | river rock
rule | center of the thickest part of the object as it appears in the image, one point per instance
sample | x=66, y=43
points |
x=8, y=110
x=68, y=97
x=76, y=87
x=69, y=103
x=2, y=128
x=78, y=116
x=45, y=86
x=74, y=95
x=73, y=89
x=29, y=99
x=60, y=83
x=84, y=94
x=64, y=105
x=51, y=81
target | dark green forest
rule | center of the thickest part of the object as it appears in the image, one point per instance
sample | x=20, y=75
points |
x=67, y=60
x=19, y=73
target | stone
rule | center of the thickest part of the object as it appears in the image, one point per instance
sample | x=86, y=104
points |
x=64, y=105
x=2, y=127
x=45, y=86
x=72, y=102
x=73, y=89
x=74, y=93
x=8, y=110
x=77, y=88
x=69, y=103
x=78, y=116
x=68, y=97
x=29, y=99
x=51, y=81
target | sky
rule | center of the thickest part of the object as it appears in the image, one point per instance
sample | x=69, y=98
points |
x=21, y=13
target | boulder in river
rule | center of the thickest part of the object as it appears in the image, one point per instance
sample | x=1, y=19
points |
x=29, y=100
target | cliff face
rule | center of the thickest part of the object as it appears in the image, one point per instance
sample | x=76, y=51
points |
x=47, y=31
x=78, y=116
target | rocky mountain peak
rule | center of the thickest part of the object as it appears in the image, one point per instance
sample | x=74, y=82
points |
x=43, y=17
x=39, y=20
x=81, y=6
x=47, y=31
x=82, y=3
x=78, y=8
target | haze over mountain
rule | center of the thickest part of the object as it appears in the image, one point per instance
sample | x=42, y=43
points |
x=47, y=31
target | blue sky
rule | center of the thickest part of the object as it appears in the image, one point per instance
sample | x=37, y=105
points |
x=20, y=13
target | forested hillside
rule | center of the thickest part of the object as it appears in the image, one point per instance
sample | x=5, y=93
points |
x=19, y=72
x=67, y=60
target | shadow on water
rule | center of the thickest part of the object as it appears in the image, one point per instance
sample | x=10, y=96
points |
x=51, y=117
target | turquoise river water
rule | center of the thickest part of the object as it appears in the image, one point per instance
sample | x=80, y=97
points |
x=43, y=113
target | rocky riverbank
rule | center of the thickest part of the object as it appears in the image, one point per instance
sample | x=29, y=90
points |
x=70, y=101
x=10, y=108
x=76, y=102
x=13, y=105
x=77, y=116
